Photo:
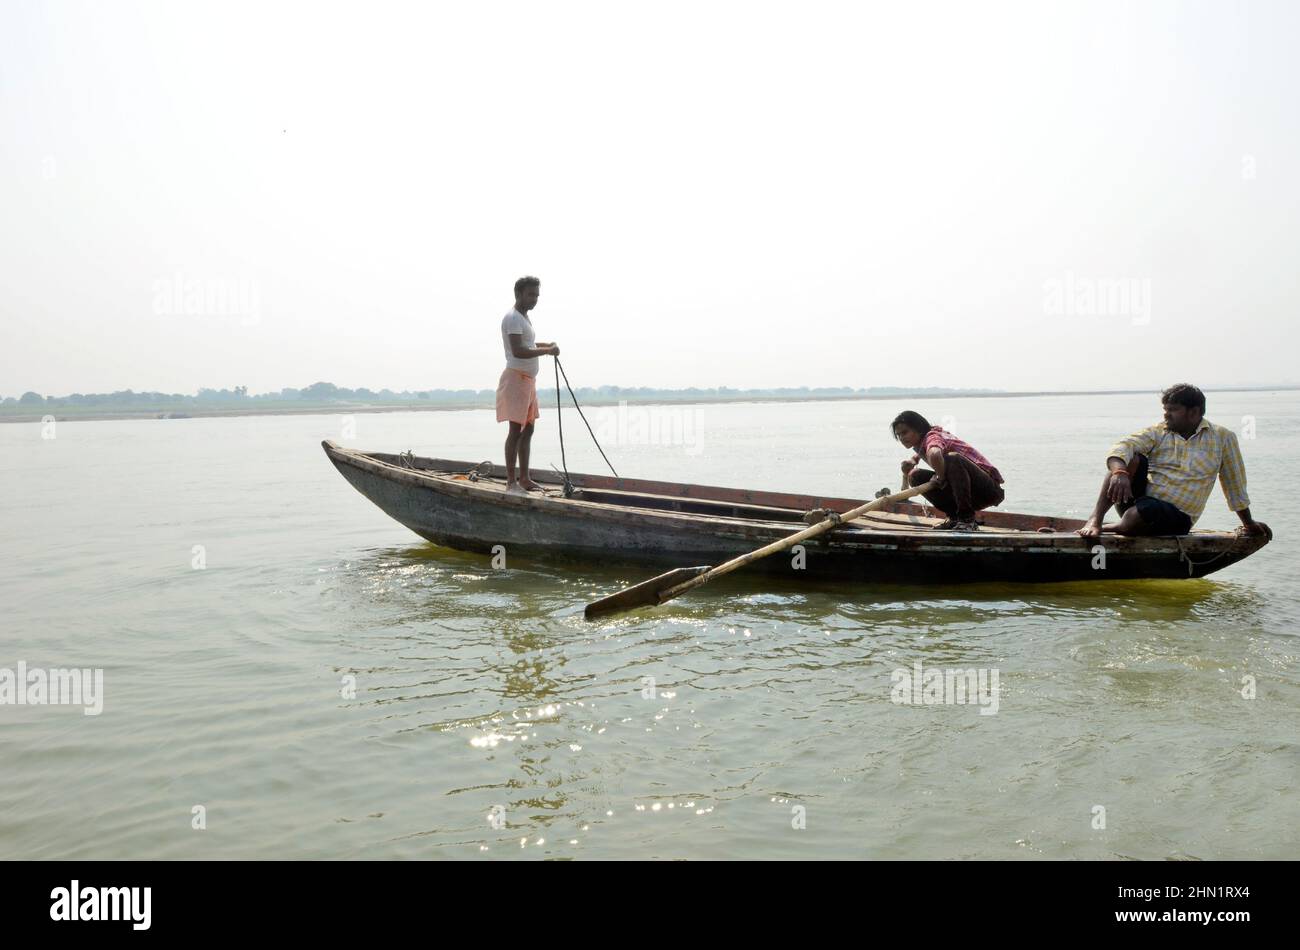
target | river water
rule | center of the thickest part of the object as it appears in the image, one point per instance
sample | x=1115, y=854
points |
x=287, y=673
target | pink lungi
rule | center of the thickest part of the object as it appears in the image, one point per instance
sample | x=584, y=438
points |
x=517, y=397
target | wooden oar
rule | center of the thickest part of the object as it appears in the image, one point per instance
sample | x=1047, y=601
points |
x=665, y=587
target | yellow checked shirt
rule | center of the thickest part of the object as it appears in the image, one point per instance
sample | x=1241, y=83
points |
x=1182, y=471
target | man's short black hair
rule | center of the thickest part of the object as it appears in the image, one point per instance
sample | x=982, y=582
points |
x=524, y=282
x=913, y=420
x=1184, y=394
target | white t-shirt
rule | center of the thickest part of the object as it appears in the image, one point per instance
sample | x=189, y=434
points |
x=516, y=322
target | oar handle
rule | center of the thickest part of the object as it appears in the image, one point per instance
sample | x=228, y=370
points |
x=788, y=542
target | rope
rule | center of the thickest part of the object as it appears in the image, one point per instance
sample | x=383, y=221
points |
x=1192, y=565
x=559, y=370
x=559, y=418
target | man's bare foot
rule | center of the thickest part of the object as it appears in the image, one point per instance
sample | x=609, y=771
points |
x=514, y=488
x=529, y=485
x=1091, y=529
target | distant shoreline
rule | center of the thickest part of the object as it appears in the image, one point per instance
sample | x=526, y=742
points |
x=351, y=409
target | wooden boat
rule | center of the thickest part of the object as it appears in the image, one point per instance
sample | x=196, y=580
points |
x=637, y=521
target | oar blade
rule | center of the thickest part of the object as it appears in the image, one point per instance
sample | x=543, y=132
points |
x=645, y=594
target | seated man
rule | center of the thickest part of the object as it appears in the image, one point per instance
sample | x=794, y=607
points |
x=1160, y=478
x=965, y=481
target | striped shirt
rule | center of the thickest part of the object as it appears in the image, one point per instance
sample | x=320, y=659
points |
x=1182, y=471
x=946, y=442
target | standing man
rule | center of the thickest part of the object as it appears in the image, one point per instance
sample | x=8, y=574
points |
x=517, y=389
x=1159, y=479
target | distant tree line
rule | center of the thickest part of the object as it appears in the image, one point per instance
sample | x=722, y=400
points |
x=323, y=392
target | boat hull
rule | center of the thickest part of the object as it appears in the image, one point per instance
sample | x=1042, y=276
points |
x=469, y=517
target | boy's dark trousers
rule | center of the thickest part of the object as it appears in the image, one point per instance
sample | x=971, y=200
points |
x=967, y=488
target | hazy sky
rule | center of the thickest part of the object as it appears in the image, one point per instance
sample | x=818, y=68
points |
x=1018, y=196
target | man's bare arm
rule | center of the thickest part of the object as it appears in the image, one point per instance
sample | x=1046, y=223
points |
x=937, y=462
x=1121, y=486
x=522, y=352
